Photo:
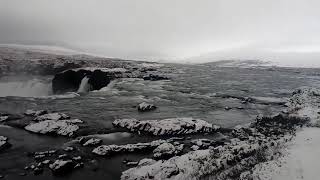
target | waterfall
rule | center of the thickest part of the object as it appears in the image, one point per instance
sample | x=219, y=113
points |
x=26, y=88
x=84, y=85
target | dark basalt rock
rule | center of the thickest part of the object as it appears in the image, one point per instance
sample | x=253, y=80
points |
x=152, y=77
x=69, y=81
x=279, y=124
x=99, y=79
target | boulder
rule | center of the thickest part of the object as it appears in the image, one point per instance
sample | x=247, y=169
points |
x=143, y=107
x=164, y=150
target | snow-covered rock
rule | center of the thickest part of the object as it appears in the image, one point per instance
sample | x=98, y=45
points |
x=68, y=149
x=173, y=126
x=146, y=161
x=92, y=142
x=4, y=142
x=146, y=107
x=4, y=118
x=203, y=143
x=8, y=117
x=105, y=150
x=35, y=113
x=200, y=163
x=61, y=127
x=164, y=150
x=51, y=116
x=74, y=121
x=61, y=166
x=305, y=103
x=132, y=163
x=52, y=123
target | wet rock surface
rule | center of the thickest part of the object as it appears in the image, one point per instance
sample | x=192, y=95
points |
x=62, y=166
x=4, y=144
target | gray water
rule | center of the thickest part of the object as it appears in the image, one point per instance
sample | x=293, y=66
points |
x=193, y=91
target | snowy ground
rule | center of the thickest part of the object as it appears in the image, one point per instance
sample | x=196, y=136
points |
x=302, y=160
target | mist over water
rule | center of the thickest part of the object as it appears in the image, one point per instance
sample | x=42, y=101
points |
x=25, y=88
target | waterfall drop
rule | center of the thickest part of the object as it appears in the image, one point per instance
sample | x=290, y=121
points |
x=84, y=85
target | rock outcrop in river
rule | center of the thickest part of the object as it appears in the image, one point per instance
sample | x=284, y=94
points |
x=173, y=126
x=52, y=123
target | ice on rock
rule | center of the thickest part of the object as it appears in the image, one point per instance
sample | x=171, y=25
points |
x=172, y=126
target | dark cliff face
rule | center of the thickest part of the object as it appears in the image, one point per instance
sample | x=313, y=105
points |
x=69, y=81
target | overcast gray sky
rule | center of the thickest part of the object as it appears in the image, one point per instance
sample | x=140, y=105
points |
x=192, y=30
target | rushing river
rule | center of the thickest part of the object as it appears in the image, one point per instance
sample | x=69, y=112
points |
x=194, y=91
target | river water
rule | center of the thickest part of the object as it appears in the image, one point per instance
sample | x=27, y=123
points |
x=193, y=91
